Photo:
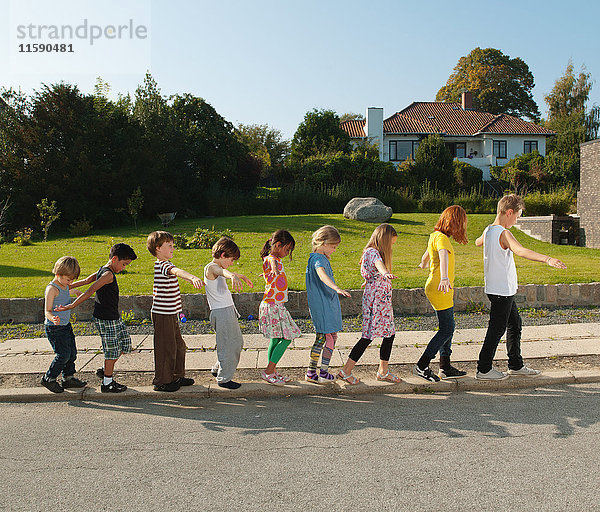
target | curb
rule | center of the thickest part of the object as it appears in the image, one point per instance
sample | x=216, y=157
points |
x=409, y=385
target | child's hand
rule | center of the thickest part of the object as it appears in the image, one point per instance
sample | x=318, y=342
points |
x=344, y=292
x=247, y=281
x=556, y=263
x=390, y=276
x=63, y=308
x=421, y=265
x=55, y=319
x=236, y=283
x=444, y=285
x=363, y=284
x=197, y=282
x=77, y=292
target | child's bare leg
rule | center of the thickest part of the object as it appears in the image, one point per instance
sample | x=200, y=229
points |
x=270, y=368
x=109, y=366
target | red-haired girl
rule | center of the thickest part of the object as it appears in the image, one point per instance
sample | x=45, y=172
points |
x=440, y=292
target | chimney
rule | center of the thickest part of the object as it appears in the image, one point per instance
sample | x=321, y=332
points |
x=374, y=127
x=467, y=100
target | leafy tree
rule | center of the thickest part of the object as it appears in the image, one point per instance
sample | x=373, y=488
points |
x=466, y=176
x=319, y=134
x=265, y=143
x=572, y=122
x=500, y=85
x=433, y=162
x=349, y=116
x=523, y=173
x=48, y=214
x=135, y=204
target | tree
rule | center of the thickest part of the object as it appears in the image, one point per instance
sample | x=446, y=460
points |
x=572, y=122
x=500, y=85
x=350, y=116
x=319, y=134
x=265, y=143
x=433, y=162
x=48, y=214
x=135, y=204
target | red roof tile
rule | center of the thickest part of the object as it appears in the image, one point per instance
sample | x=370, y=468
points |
x=448, y=119
x=354, y=127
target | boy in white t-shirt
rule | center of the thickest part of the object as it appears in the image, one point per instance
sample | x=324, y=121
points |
x=501, y=286
x=223, y=315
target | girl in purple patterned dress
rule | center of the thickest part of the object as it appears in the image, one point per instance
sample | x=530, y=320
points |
x=377, y=312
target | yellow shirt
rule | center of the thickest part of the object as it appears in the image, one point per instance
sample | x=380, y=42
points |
x=439, y=300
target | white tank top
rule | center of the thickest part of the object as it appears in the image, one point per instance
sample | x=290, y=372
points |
x=499, y=269
x=217, y=292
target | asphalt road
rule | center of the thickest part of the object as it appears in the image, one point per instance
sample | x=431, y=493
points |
x=532, y=449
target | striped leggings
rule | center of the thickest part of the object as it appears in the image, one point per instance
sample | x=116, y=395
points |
x=324, y=344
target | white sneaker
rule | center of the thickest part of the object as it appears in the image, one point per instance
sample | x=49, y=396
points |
x=493, y=374
x=525, y=370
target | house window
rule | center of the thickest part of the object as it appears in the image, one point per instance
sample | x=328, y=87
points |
x=400, y=150
x=500, y=148
x=529, y=146
x=457, y=149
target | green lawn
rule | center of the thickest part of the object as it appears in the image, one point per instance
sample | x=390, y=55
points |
x=25, y=271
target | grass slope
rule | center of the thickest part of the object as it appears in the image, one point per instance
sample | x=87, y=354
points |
x=25, y=271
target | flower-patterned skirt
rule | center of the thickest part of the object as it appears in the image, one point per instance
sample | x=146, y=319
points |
x=275, y=321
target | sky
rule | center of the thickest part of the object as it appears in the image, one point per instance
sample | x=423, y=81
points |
x=271, y=61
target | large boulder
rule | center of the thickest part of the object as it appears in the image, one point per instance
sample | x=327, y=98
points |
x=367, y=209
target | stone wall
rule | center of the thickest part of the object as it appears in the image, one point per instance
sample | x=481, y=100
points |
x=405, y=302
x=588, y=197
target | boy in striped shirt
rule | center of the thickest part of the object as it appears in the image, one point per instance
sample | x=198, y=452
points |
x=169, y=347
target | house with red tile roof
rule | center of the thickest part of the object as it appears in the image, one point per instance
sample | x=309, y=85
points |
x=479, y=138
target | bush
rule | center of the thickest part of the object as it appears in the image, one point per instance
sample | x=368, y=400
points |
x=433, y=200
x=466, y=176
x=557, y=202
x=206, y=238
x=181, y=241
x=475, y=201
x=80, y=227
x=23, y=236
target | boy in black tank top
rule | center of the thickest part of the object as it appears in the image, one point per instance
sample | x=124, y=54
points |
x=107, y=317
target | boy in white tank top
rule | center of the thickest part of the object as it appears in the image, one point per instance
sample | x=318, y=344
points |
x=500, y=275
x=223, y=315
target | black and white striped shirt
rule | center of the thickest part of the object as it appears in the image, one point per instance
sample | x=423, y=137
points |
x=167, y=298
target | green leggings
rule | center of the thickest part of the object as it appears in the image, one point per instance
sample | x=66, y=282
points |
x=277, y=348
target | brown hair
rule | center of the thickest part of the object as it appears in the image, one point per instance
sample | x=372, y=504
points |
x=67, y=266
x=511, y=202
x=381, y=240
x=225, y=247
x=453, y=222
x=283, y=237
x=156, y=239
x=325, y=235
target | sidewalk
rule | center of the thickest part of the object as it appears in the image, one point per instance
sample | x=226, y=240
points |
x=23, y=362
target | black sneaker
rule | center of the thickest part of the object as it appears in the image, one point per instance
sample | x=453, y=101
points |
x=100, y=373
x=113, y=387
x=170, y=387
x=73, y=382
x=214, y=372
x=230, y=384
x=427, y=374
x=451, y=373
x=52, y=385
x=184, y=381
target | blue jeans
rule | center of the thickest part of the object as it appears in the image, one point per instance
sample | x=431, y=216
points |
x=442, y=341
x=62, y=339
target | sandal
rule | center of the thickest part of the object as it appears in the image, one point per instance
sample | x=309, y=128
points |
x=388, y=377
x=283, y=378
x=350, y=379
x=271, y=378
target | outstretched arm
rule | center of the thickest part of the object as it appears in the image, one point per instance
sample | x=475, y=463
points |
x=106, y=278
x=479, y=241
x=383, y=270
x=196, y=281
x=424, y=260
x=508, y=240
x=329, y=282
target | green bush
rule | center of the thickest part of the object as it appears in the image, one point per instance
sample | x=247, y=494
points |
x=466, y=176
x=433, y=200
x=557, y=202
x=181, y=241
x=206, y=238
x=475, y=202
x=23, y=236
x=80, y=227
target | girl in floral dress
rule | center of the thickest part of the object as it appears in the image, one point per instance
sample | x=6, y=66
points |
x=274, y=319
x=377, y=312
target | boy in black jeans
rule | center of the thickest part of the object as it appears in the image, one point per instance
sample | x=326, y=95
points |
x=501, y=286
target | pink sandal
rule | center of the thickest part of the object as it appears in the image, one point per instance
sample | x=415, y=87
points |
x=271, y=378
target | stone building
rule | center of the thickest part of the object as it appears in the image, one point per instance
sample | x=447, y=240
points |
x=588, y=197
